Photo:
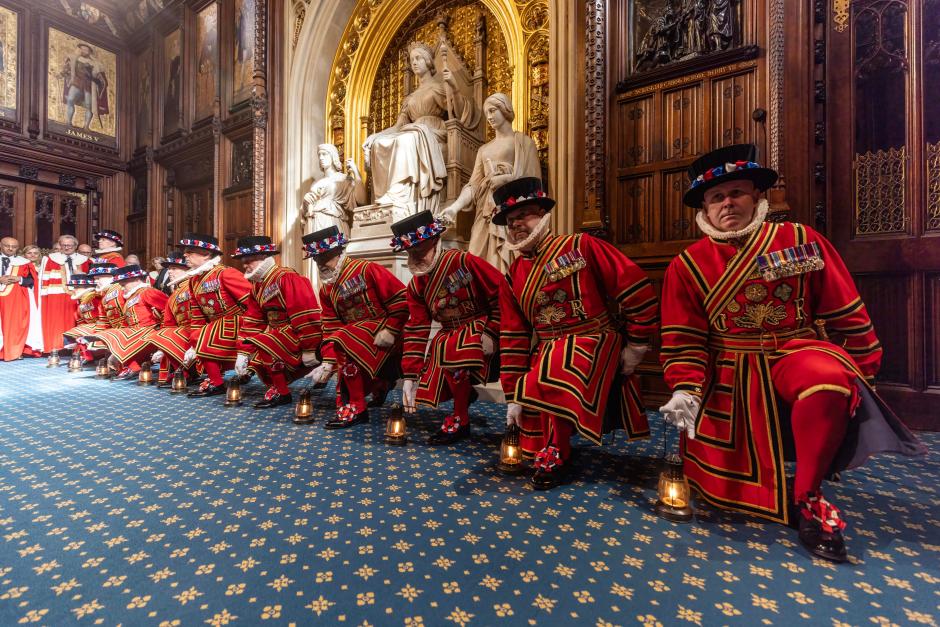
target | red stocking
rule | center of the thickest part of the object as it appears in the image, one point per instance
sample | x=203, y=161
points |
x=819, y=424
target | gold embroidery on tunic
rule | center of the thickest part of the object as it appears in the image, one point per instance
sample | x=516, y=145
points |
x=756, y=315
x=550, y=314
x=783, y=292
x=755, y=292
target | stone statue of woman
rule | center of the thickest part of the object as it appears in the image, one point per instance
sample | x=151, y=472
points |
x=331, y=199
x=510, y=155
x=406, y=160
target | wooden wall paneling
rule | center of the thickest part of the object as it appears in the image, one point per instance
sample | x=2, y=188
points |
x=734, y=99
x=635, y=198
x=238, y=217
x=677, y=222
x=932, y=343
x=682, y=121
x=636, y=145
x=891, y=305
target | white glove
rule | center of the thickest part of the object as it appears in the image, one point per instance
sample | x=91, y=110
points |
x=384, y=339
x=513, y=415
x=156, y=358
x=488, y=345
x=189, y=357
x=681, y=411
x=322, y=373
x=241, y=364
x=409, y=390
x=309, y=358
x=631, y=356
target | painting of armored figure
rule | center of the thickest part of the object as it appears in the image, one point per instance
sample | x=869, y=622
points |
x=172, y=92
x=9, y=21
x=81, y=84
x=244, y=65
x=207, y=54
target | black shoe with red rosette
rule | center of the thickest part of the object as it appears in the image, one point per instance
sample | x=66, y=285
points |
x=550, y=469
x=273, y=399
x=347, y=416
x=820, y=527
x=452, y=431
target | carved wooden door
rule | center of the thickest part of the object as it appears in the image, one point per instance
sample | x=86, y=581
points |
x=51, y=213
x=883, y=109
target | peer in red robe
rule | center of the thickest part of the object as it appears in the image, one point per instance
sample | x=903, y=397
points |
x=58, y=307
x=16, y=282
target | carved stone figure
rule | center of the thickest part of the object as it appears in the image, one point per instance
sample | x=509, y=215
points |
x=510, y=155
x=686, y=29
x=331, y=199
x=407, y=160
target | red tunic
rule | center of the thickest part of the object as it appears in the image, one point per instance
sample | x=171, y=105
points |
x=58, y=307
x=222, y=309
x=364, y=299
x=143, y=312
x=173, y=337
x=293, y=319
x=462, y=294
x=724, y=326
x=111, y=313
x=14, y=311
x=86, y=317
x=111, y=257
x=578, y=297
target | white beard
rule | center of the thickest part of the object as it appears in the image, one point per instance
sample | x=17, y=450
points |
x=258, y=274
x=328, y=276
x=760, y=214
x=425, y=268
x=537, y=235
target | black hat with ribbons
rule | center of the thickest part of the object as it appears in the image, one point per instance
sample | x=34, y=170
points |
x=519, y=193
x=254, y=245
x=728, y=163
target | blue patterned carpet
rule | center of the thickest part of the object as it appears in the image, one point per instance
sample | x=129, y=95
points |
x=121, y=504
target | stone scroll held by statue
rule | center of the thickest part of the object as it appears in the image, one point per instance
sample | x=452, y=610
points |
x=332, y=199
x=508, y=156
x=407, y=160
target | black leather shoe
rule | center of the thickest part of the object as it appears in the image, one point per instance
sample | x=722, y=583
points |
x=358, y=419
x=212, y=390
x=165, y=384
x=548, y=479
x=442, y=438
x=275, y=401
x=829, y=546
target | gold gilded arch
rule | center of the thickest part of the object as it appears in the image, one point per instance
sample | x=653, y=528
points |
x=372, y=28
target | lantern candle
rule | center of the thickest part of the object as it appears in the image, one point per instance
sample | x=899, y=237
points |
x=675, y=496
x=233, y=394
x=510, y=453
x=303, y=411
x=395, y=428
x=179, y=382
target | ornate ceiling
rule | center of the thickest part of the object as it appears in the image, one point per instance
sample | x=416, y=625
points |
x=121, y=18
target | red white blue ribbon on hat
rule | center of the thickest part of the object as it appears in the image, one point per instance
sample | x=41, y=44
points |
x=198, y=243
x=423, y=232
x=326, y=245
x=255, y=250
x=721, y=170
x=510, y=202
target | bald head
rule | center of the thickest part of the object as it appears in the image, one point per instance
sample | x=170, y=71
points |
x=86, y=249
x=8, y=246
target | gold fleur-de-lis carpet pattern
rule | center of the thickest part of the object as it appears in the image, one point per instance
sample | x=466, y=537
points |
x=121, y=504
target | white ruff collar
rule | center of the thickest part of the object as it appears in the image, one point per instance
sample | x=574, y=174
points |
x=760, y=214
x=134, y=290
x=205, y=267
x=327, y=276
x=113, y=249
x=59, y=258
x=422, y=269
x=537, y=235
x=261, y=271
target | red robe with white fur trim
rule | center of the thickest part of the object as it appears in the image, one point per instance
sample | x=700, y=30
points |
x=57, y=306
x=14, y=311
